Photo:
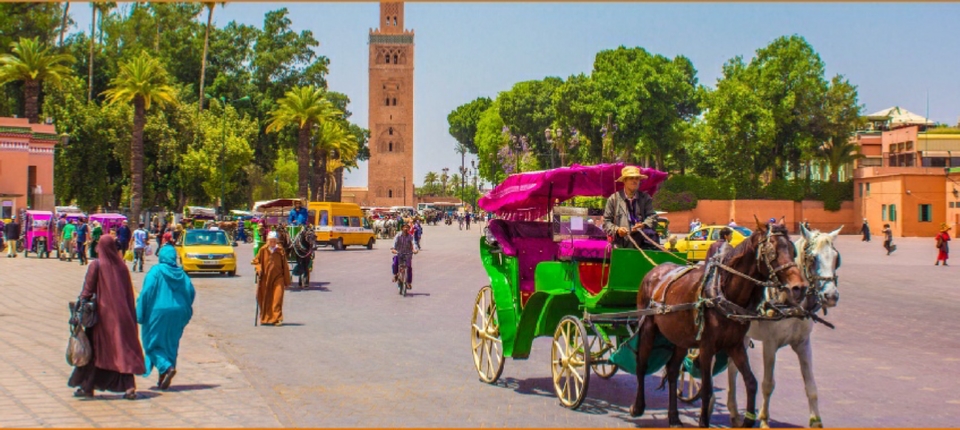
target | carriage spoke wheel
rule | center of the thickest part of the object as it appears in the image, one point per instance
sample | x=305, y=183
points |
x=570, y=359
x=688, y=389
x=600, y=357
x=485, y=337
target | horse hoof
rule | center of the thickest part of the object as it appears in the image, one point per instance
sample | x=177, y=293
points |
x=815, y=423
x=676, y=425
x=636, y=411
x=736, y=421
x=764, y=424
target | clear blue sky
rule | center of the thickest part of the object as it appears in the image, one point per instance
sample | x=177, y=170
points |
x=895, y=53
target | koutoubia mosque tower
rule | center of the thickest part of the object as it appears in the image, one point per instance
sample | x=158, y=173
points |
x=390, y=168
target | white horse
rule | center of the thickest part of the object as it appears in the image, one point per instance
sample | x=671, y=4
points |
x=820, y=261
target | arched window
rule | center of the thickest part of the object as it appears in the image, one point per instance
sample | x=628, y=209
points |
x=387, y=58
x=394, y=20
x=389, y=193
x=394, y=101
x=391, y=146
x=391, y=131
x=395, y=59
x=387, y=101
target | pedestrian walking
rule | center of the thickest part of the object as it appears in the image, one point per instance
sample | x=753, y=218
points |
x=141, y=241
x=83, y=234
x=95, y=238
x=865, y=231
x=943, y=249
x=888, y=239
x=11, y=234
x=123, y=238
x=117, y=354
x=164, y=308
x=271, y=263
x=68, y=239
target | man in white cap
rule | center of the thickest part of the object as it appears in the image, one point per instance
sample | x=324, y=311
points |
x=271, y=262
x=629, y=210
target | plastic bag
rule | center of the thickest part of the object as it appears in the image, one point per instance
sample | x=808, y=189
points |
x=79, y=351
x=148, y=252
x=128, y=256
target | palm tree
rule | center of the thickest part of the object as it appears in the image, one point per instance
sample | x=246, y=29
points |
x=332, y=140
x=33, y=63
x=430, y=181
x=838, y=152
x=302, y=106
x=143, y=81
x=206, y=46
x=102, y=7
x=63, y=21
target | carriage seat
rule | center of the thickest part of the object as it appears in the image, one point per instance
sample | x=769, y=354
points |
x=530, y=242
x=583, y=249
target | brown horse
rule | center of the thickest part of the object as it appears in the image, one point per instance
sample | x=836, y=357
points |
x=734, y=288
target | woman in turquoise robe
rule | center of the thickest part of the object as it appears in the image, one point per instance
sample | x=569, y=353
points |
x=164, y=308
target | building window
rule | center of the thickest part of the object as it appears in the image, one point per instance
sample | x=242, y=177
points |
x=395, y=59
x=389, y=193
x=883, y=212
x=893, y=213
x=868, y=189
x=924, y=211
x=387, y=59
x=394, y=101
x=391, y=147
x=391, y=131
x=861, y=189
x=387, y=101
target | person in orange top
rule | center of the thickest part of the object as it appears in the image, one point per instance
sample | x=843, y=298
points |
x=944, y=250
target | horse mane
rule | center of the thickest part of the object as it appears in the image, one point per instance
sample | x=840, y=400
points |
x=820, y=241
x=748, y=247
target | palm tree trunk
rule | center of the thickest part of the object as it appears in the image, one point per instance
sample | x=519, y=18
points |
x=136, y=158
x=315, y=174
x=63, y=21
x=93, y=36
x=303, y=160
x=322, y=180
x=206, y=46
x=338, y=193
x=31, y=94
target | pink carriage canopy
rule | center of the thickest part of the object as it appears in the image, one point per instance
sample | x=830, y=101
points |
x=108, y=220
x=530, y=195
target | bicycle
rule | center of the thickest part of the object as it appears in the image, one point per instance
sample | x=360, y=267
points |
x=401, y=278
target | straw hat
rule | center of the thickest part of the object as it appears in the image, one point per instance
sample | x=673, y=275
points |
x=944, y=227
x=631, y=172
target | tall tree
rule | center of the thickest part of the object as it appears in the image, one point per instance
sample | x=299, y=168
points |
x=463, y=122
x=142, y=81
x=206, y=45
x=527, y=109
x=303, y=107
x=63, y=21
x=332, y=141
x=33, y=63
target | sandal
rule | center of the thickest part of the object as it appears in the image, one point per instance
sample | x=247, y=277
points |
x=130, y=395
x=82, y=394
x=168, y=378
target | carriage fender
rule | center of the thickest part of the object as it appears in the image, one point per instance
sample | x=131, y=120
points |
x=540, y=317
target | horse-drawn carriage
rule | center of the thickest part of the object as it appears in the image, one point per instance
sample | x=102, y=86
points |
x=299, y=242
x=562, y=278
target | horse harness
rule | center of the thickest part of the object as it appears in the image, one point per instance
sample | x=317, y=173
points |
x=712, y=296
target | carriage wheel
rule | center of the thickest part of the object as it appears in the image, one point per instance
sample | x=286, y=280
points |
x=600, y=357
x=688, y=389
x=570, y=357
x=485, y=337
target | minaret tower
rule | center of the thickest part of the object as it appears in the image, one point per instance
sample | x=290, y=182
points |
x=390, y=169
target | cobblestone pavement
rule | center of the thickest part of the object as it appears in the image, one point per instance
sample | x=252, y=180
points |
x=354, y=353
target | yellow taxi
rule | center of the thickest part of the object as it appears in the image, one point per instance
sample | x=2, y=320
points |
x=697, y=243
x=206, y=251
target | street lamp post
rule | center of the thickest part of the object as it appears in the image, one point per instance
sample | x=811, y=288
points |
x=276, y=186
x=519, y=144
x=476, y=188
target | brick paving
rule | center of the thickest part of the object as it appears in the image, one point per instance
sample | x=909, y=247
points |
x=353, y=353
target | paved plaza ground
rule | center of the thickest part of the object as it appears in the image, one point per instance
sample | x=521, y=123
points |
x=354, y=353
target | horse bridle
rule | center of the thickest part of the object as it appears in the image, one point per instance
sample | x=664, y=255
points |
x=812, y=273
x=297, y=247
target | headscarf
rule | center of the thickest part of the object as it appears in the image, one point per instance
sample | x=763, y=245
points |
x=110, y=260
x=168, y=238
x=169, y=272
x=164, y=308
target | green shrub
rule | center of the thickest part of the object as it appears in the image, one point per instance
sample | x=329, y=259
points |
x=670, y=201
x=702, y=188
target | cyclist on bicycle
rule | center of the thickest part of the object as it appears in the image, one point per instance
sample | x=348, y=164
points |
x=403, y=247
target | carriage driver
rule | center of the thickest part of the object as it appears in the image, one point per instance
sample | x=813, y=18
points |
x=629, y=210
x=298, y=216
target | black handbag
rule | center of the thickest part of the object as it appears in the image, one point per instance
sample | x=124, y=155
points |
x=83, y=312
